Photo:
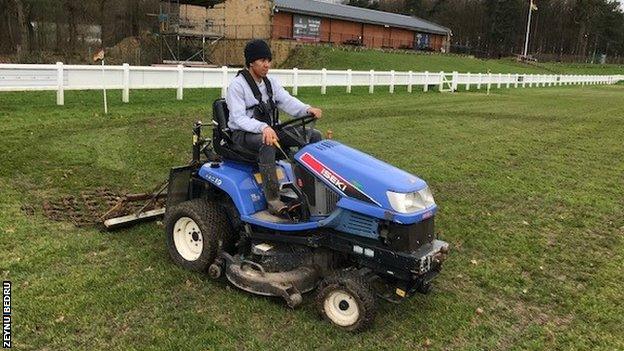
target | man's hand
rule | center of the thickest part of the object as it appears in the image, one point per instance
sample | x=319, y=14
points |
x=316, y=112
x=268, y=135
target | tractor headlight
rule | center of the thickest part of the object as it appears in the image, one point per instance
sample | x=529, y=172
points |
x=411, y=202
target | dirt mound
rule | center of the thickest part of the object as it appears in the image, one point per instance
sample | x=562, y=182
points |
x=139, y=50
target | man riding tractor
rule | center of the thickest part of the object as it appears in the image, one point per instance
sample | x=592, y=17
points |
x=348, y=225
x=253, y=100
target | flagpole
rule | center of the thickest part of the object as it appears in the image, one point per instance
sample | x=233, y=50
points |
x=528, y=30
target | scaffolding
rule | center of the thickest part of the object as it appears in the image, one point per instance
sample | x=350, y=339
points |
x=188, y=34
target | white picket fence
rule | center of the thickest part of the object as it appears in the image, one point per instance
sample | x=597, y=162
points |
x=60, y=77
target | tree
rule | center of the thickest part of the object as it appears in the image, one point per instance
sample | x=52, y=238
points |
x=21, y=10
x=369, y=4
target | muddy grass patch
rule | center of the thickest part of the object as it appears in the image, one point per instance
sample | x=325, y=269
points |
x=92, y=207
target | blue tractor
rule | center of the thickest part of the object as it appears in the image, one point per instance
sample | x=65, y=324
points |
x=359, y=229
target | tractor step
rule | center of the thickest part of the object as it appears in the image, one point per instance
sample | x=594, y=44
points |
x=267, y=217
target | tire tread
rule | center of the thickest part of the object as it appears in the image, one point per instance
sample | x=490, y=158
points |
x=361, y=290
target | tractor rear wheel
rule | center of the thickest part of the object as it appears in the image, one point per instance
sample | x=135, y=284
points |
x=195, y=229
x=346, y=300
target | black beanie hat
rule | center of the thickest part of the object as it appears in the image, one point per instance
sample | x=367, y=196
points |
x=257, y=49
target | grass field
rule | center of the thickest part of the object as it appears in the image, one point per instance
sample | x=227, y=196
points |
x=529, y=184
x=317, y=57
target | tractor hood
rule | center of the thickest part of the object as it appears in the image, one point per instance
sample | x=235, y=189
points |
x=355, y=174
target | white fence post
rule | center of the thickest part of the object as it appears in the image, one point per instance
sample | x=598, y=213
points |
x=508, y=79
x=224, y=81
x=295, y=88
x=391, y=89
x=426, y=85
x=180, y=92
x=455, y=81
x=441, y=81
x=480, y=81
x=60, y=92
x=500, y=78
x=323, y=81
x=125, y=96
x=516, y=76
x=468, y=81
x=349, y=80
x=409, y=81
x=371, y=87
x=489, y=83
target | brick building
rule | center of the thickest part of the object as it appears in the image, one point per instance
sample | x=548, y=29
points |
x=309, y=20
x=316, y=21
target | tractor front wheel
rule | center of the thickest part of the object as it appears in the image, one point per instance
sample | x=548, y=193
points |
x=194, y=230
x=346, y=300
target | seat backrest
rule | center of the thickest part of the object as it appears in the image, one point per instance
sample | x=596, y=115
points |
x=222, y=138
x=220, y=113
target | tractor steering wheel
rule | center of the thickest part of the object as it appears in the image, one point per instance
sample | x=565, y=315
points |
x=291, y=128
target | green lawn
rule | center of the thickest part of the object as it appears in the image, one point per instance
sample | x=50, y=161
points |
x=529, y=183
x=317, y=57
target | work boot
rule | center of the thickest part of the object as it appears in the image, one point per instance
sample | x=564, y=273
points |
x=270, y=186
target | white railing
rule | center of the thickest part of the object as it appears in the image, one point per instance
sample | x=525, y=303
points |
x=60, y=77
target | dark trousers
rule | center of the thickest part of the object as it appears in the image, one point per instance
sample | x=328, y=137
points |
x=266, y=153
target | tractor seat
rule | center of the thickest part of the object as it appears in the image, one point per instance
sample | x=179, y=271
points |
x=222, y=136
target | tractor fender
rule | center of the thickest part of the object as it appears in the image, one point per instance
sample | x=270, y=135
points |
x=238, y=182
